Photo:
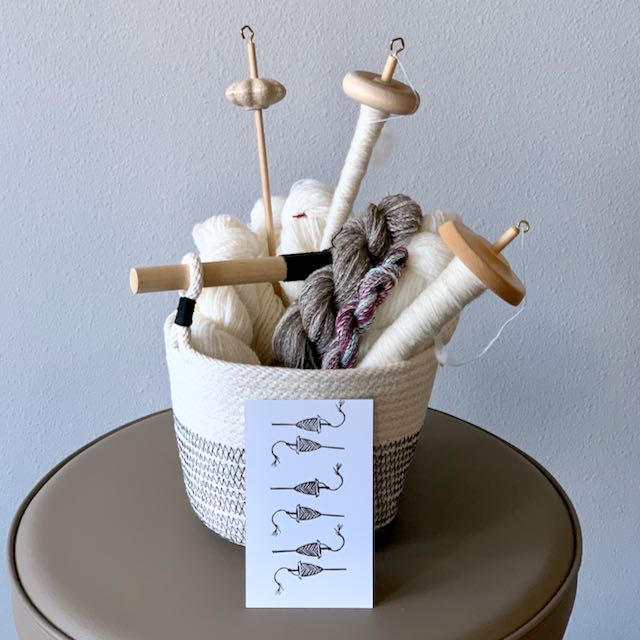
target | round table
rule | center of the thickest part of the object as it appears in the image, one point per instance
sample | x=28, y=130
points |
x=486, y=546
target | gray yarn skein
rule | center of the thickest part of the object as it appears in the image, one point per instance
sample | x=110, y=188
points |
x=307, y=327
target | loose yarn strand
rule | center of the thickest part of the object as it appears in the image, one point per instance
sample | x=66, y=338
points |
x=443, y=356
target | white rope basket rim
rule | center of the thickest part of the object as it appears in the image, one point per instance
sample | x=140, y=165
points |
x=187, y=350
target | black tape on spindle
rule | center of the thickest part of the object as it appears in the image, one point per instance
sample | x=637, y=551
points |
x=184, y=314
x=301, y=265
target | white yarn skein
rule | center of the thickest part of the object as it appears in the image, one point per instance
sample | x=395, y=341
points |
x=233, y=308
x=224, y=309
x=367, y=132
x=304, y=216
x=303, y=219
x=428, y=257
x=265, y=318
x=257, y=219
x=424, y=318
x=203, y=335
x=223, y=238
x=208, y=338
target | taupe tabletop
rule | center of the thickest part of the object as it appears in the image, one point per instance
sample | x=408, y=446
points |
x=486, y=547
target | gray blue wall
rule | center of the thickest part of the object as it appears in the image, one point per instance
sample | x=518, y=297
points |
x=115, y=138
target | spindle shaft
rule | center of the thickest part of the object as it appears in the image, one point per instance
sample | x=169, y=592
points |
x=271, y=269
x=262, y=154
x=506, y=238
x=389, y=68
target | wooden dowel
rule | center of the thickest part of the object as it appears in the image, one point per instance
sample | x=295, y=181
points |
x=253, y=61
x=264, y=179
x=262, y=156
x=227, y=272
x=273, y=269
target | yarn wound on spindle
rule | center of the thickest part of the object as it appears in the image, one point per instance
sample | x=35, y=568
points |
x=306, y=329
x=356, y=316
x=428, y=257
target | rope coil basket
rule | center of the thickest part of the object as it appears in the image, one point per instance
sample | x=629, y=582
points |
x=357, y=262
x=208, y=405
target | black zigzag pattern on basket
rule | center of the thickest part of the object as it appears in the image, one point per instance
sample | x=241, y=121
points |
x=390, y=465
x=215, y=481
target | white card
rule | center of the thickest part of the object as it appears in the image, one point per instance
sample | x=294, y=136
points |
x=309, y=479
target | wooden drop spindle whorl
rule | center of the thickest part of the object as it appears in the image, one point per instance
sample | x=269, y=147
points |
x=379, y=90
x=483, y=259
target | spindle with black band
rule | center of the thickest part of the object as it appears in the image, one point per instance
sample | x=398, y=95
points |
x=170, y=277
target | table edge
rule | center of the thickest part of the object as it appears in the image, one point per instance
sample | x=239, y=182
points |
x=563, y=590
x=570, y=580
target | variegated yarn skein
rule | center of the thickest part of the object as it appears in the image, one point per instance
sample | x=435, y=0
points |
x=307, y=327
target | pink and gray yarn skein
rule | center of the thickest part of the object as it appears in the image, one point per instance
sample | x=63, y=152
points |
x=338, y=302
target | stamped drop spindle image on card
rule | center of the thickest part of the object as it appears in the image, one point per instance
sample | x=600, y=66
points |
x=301, y=445
x=311, y=563
x=315, y=423
x=315, y=549
x=303, y=570
x=301, y=514
x=314, y=487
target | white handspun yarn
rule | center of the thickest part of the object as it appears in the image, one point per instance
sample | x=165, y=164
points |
x=223, y=307
x=249, y=312
x=204, y=335
x=257, y=219
x=303, y=219
x=416, y=327
x=208, y=338
x=428, y=256
x=304, y=216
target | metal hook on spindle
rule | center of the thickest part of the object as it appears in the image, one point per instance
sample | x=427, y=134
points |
x=246, y=27
x=395, y=52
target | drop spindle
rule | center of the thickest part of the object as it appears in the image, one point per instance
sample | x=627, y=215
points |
x=256, y=94
x=477, y=265
x=379, y=96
